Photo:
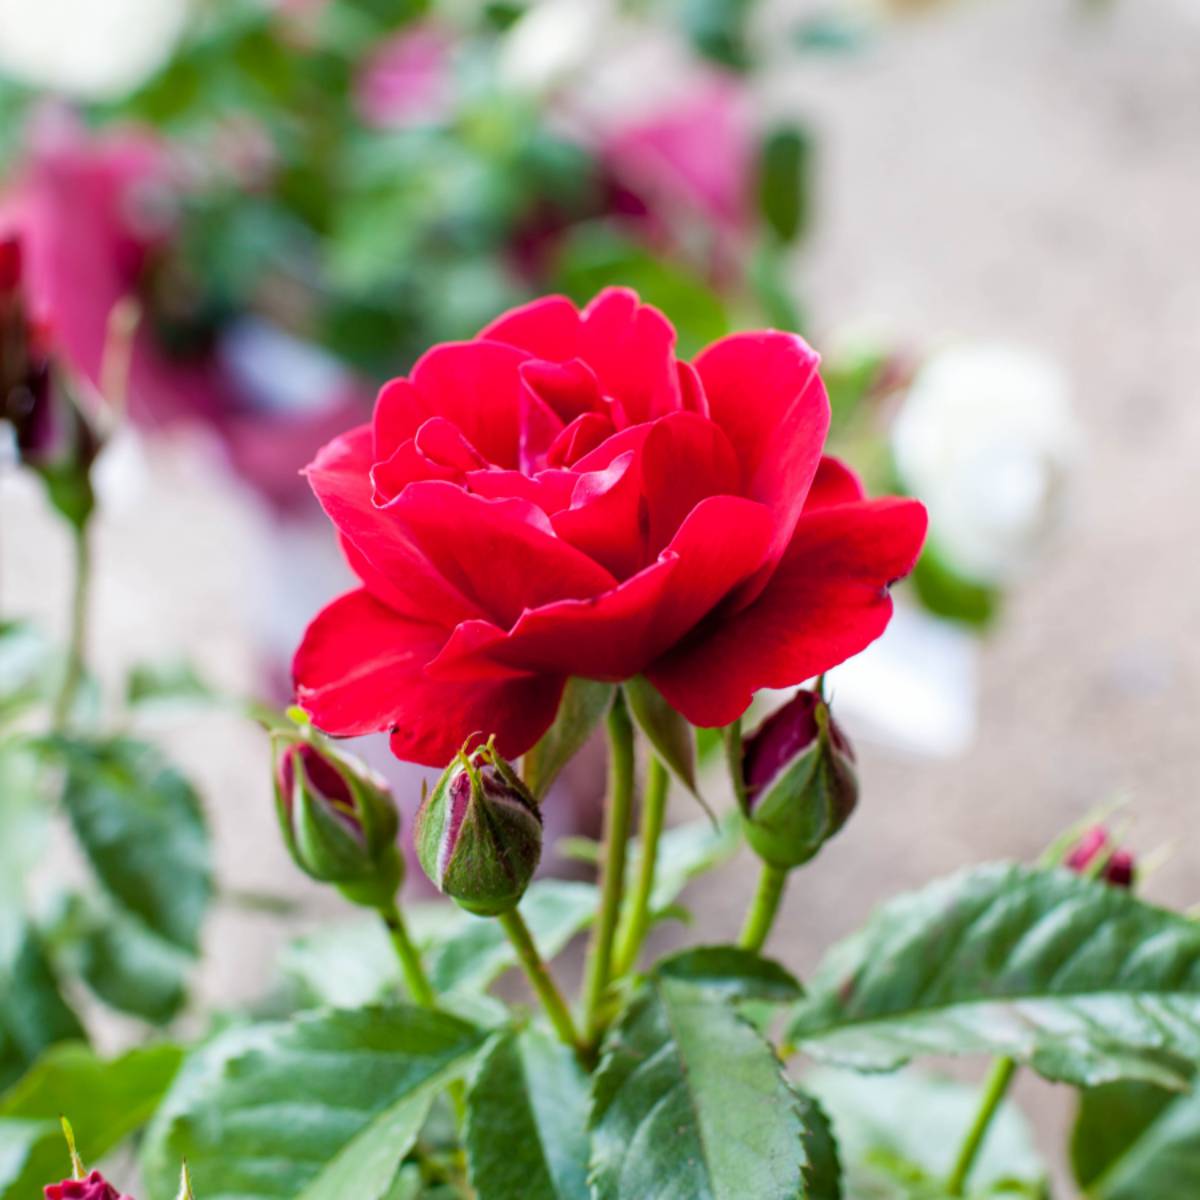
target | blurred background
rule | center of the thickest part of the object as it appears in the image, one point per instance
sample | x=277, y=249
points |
x=982, y=213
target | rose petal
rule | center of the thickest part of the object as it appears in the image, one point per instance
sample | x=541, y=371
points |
x=437, y=451
x=399, y=412
x=360, y=669
x=629, y=345
x=550, y=490
x=378, y=548
x=834, y=483
x=827, y=600
x=501, y=554
x=764, y=391
x=547, y=328
x=624, y=513
x=477, y=386
x=615, y=635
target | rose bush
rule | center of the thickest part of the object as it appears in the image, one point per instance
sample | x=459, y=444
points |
x=563, y=497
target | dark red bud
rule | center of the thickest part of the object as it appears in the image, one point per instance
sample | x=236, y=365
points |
x=1095, y=845
x=325, y=781
x=94, y=1187
x=10, y=264
x=781, y=738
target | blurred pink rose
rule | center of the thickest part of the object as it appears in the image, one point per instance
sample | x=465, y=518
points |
x=96, y=215
x=693, y=158
x=406, y=80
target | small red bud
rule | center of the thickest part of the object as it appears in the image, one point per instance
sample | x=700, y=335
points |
x=94, y=1187
x=798, y=785
x=10, y=264
x=1119, y=868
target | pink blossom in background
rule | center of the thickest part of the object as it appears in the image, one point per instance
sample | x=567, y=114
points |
x=694, y=156
x=406, y=80
x=96, y=214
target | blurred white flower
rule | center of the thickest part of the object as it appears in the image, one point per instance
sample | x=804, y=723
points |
x=985, y=438
x=551, y=42
x=87, y=48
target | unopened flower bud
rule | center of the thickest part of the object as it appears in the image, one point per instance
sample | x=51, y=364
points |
x=799, y=785
x=479, y=833
x=1095, y=854
x=94, y=1187
x=54, y=436
x=339, y=822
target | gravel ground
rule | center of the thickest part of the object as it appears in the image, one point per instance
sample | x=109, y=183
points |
x=1008, y=168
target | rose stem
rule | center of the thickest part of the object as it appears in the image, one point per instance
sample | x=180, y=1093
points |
x=415, y=979
x=419, y=987
x=541, y=979
x=77, y=638
x=620, y=797
x=654, y=807
x=994, y=1090
x=763, y=908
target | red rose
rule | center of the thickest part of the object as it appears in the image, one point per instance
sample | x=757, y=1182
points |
x=563, y=497
x=94, y=1187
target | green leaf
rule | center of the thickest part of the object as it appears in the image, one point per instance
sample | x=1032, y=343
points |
x=685, y=852
x=354, y=963
x=670, y=734
x=594, y=255
x=25, y=667
x=584, y=702
x=33, y=1013
x=316, y=1107
x=784, y=181
x=946, y=592
x=24, y=819
x=142, y=828
x=732, y=972
x=105, y=1101
x=823, y=1171
x=874, y=1141
x=1136, y=1142
x=690, y=1101
x=688, y=851
x=128, y=967
x=527, y=1121
x=175, y=680
x=478, y=951
x=717, y=28
x=1084, y=982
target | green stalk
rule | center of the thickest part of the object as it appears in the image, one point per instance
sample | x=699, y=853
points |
x=994, y=1090
x=415, y=979
x=77, y=636
x=654, y=808
x=541, y=980
x=763, y=908
x=419, y=988
x=620, y=800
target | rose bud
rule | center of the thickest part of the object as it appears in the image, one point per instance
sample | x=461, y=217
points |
x=339, y=822
x=799, y=785
x=54, y=436
x=1096, y=847
x=479, y=833
x=94, y=1187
